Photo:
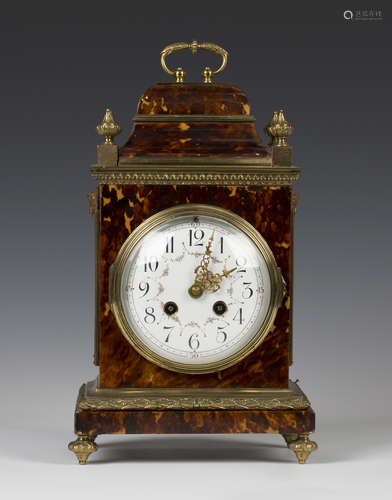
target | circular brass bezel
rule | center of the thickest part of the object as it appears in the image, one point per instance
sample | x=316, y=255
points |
x=117, y=268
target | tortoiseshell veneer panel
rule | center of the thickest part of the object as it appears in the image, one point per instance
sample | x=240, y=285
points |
x=184, y=137
x=194, y=139
x=193, y=99
x=98, y=422
x=122, y=209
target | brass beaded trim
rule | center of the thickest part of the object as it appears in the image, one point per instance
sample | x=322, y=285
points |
x=215, y=176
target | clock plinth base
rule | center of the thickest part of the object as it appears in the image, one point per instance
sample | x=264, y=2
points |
x=294, y=425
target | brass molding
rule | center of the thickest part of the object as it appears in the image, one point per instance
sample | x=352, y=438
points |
x=193, y=118
x=94, y=398
x=96, y=277
x=117, y=269
x=93, y=199
x=215, y=175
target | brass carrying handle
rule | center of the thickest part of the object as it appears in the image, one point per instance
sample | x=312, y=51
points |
x=194, y=47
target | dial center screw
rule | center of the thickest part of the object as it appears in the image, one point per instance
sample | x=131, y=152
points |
x=195, y=291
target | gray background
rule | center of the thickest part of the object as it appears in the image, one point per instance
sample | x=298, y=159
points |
x=62, y=64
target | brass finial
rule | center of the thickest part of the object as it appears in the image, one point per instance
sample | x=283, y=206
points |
x=207, y=74
x=279, y=129
x=108, y=127
x=180, y=73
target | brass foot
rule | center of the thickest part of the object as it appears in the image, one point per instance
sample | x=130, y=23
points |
x=289, y=438
x=83, y=447
x=302, y=447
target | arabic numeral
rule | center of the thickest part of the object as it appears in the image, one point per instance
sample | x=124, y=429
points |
x=151, y=264
x=170, y=328
x=170, y=245
x=241, y=263
x=221, y=336
x=195, y=237
x=247, y=292
x=149, y=318
x=239, y=316
x=194, y=342
x=144, y=287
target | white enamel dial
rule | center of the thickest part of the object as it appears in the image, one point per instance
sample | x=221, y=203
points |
x=155, y=290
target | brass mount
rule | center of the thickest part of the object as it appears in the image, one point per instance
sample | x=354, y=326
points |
x=194, y=46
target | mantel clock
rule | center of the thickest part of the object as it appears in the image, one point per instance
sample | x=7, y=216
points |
x=194, y=274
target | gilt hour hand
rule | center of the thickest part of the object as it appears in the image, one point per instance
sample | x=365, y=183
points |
x=225, y=273
x=216, y=279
